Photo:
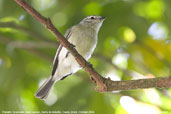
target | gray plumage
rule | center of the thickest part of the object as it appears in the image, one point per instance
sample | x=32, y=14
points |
x=84, y=37
x=44, y=90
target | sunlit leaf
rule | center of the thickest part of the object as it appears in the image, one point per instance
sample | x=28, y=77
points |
x=92, y=8
x=152, y=9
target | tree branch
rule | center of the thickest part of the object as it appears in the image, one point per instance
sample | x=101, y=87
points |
x=103, y=84
x=162, y=82
x=32, y=48
x=99, y=80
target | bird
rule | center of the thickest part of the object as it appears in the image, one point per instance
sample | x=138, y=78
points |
x=83, y=36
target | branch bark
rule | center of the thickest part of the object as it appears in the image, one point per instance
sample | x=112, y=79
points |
x=162, y=82
x=103, y=84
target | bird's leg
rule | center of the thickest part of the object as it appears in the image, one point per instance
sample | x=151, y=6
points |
x=72, y=45
x=91, y=65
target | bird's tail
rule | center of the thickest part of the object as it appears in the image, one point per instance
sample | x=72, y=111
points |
x=44, y=90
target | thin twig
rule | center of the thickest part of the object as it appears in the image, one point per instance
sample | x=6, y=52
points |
x=162, y=82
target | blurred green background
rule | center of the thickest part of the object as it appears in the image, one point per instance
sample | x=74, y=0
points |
x=134, y=42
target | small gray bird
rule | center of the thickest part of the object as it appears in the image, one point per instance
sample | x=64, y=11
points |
x=84, y=37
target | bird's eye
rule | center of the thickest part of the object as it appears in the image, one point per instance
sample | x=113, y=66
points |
x=92, y=17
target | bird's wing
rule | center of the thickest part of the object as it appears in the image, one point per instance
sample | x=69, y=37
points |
x=55, y=61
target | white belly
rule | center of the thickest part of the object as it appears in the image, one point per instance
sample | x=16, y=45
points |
x=84, y=44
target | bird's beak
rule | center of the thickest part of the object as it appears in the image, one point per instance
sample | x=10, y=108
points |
x=102, y=18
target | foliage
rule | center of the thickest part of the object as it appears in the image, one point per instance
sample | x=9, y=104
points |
x=134, y=42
